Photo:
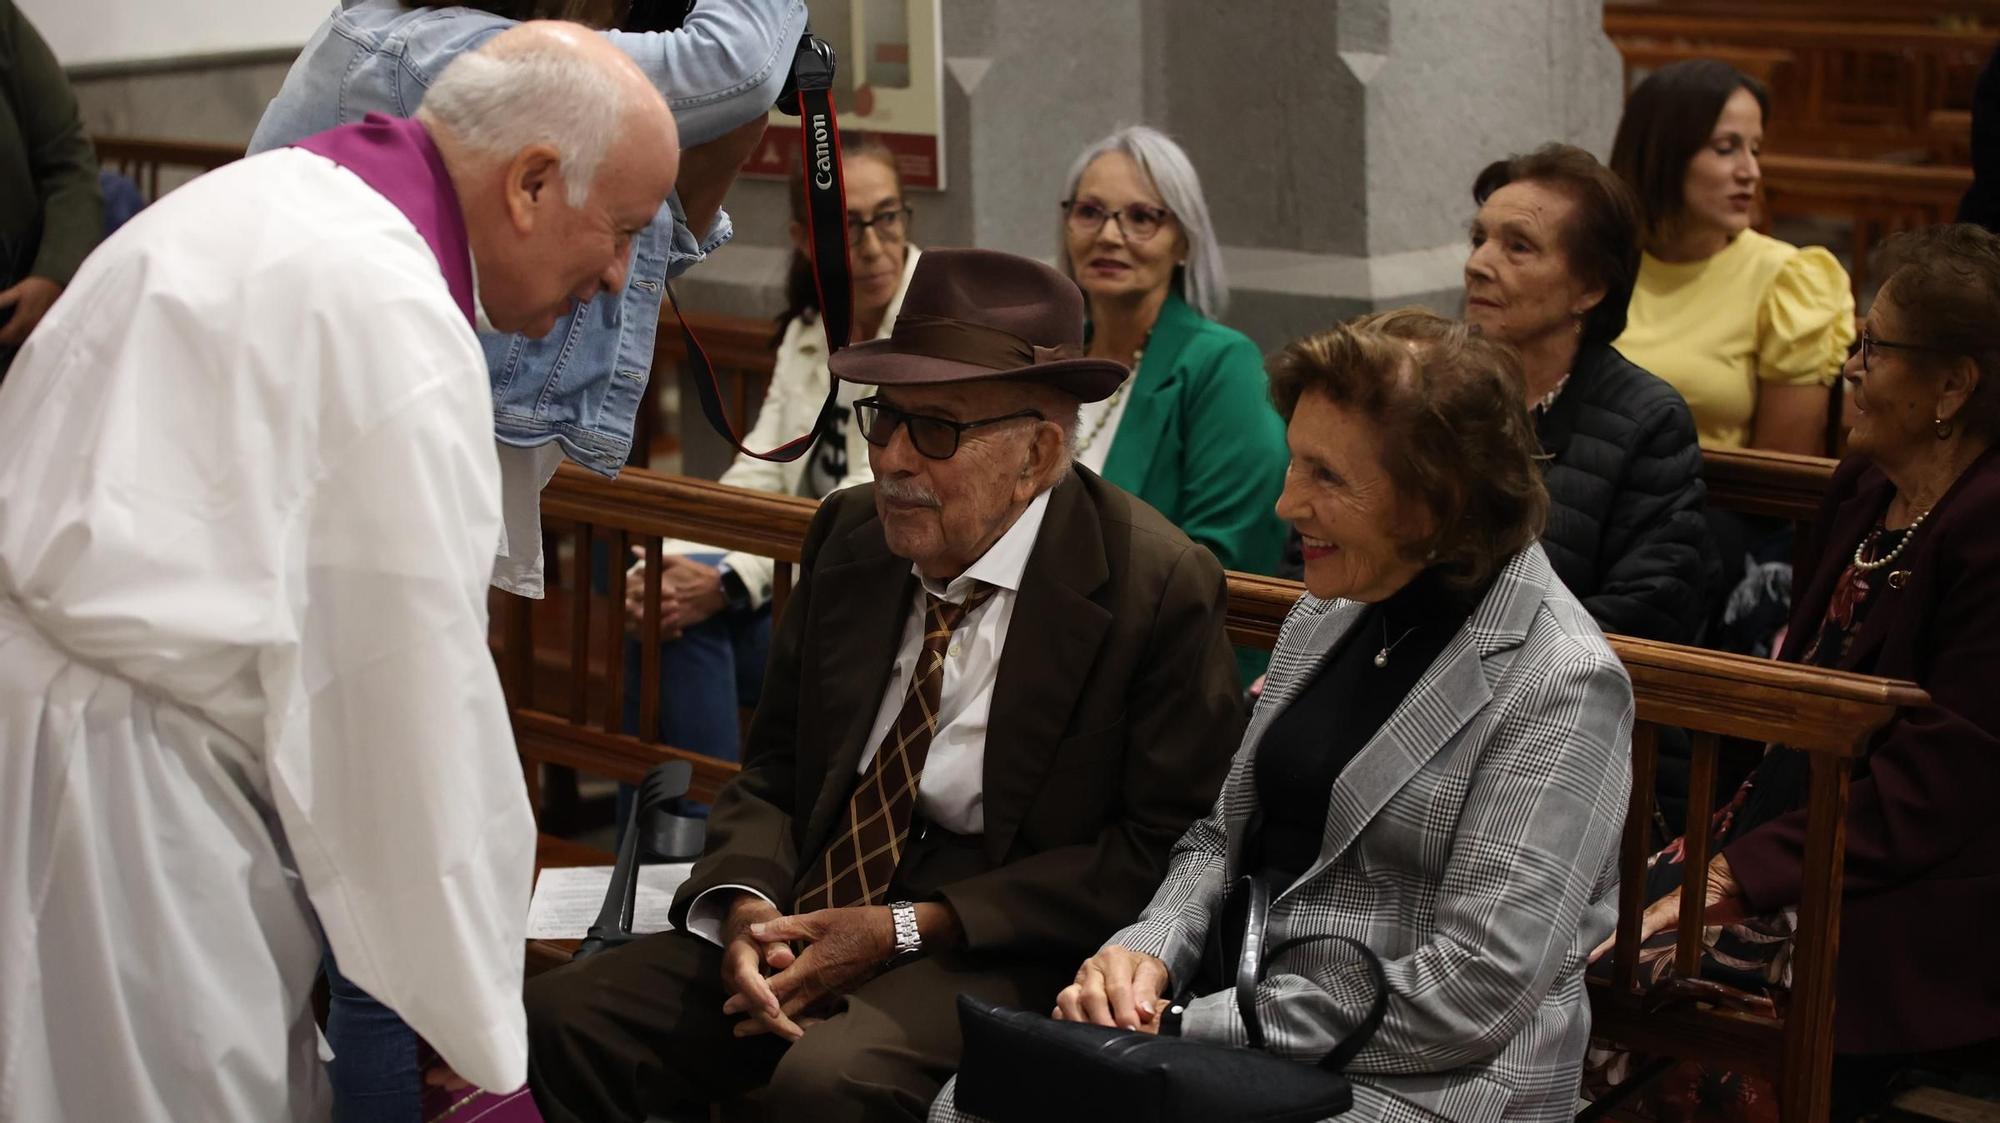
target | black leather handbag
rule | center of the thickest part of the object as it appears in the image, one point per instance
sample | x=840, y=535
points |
x=1022, y=1067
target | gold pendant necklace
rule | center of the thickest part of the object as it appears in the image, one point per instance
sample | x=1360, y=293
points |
x=1111, y=403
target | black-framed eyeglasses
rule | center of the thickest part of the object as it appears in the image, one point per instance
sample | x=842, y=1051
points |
x=1138, y=221
x=1868, y=343
x=934, y=437
x=890, y=225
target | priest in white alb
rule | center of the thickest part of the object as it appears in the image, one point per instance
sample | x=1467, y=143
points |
x=248, y=508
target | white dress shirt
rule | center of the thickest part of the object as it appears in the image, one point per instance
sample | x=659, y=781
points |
x=951, y=792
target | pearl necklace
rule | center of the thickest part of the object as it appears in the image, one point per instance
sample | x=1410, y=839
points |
x=1861, y=548
x=1111, y=403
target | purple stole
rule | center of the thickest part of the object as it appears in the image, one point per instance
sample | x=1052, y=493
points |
x=396, y=157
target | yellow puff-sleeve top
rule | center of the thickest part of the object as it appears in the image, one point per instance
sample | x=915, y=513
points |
x=1762, y=310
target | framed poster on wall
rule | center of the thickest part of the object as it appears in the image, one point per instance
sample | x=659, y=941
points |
x=888, y=82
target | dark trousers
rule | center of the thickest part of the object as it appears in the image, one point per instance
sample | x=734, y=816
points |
x=641, y=1029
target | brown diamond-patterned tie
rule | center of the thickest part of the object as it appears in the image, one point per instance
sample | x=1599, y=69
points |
x=857, y=865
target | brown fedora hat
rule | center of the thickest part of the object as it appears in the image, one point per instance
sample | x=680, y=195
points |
x=979, y=314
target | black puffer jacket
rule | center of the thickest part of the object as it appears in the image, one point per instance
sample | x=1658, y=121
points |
x=1627, y=531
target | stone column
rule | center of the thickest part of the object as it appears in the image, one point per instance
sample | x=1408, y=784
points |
x=1338, y=141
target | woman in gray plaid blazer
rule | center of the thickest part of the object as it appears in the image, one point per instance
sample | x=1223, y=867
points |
x=1468, y=834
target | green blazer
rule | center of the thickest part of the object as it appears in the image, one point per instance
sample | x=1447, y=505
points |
x=1201, y=443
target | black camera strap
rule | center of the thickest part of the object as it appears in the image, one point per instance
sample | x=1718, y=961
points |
x=826, y=212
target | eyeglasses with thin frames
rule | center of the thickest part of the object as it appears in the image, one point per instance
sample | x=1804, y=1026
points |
x=1137, y=221
x=889, y=225
x=1868, y=343
x=935, y=437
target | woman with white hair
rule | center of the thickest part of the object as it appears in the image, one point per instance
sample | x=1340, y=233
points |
x=1192, y=432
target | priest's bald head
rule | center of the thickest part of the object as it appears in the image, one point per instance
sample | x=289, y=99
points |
x=561, y=152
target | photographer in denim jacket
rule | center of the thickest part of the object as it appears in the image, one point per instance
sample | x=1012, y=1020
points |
x=576, y=392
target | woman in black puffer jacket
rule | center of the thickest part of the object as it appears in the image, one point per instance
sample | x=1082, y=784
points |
x=1554, y=255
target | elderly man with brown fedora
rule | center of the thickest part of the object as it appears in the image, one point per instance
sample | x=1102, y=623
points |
x=999, y=693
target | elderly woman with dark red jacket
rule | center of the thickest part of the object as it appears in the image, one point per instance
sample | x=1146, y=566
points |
x=1903, y=582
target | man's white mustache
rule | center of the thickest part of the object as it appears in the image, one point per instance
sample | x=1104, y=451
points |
x=907, y=491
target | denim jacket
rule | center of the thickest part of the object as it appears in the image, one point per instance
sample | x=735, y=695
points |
x=580, y=385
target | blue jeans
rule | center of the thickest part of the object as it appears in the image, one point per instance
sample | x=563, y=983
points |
x=375, y=1073
x=712, y=670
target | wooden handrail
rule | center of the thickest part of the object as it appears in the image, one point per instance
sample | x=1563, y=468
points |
x=1774, y=484
x=1808, y=707
x=650, y=503
x=1804, y=707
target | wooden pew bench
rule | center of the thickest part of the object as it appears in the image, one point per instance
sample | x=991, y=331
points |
x=1715, y=696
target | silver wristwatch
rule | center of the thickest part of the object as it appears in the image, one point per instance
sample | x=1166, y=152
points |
x=909, y=941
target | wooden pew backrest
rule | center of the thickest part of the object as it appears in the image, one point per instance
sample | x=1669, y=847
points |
x=1777, y=485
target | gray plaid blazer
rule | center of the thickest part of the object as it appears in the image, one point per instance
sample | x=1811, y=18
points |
x=1472, y=844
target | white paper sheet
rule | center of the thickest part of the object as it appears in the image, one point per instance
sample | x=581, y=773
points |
x=567, y=899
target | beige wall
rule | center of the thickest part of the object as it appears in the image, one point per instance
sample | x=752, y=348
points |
x=215, y=99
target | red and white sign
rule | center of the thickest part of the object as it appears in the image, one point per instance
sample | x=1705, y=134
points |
x=889, y=83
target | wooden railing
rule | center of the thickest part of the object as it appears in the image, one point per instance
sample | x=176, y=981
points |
x=141, y=159
x=1715, y=696
x=1776, y=485
x=562, y=659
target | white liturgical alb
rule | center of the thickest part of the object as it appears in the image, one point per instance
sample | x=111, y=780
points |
x=248, y=509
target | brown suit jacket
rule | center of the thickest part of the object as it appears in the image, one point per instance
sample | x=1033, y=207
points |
x=1921, y=894
x=1114, y=717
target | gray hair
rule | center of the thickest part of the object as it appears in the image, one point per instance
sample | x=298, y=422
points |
x=1062, y=408
x=497, y=103
x=1167, y=167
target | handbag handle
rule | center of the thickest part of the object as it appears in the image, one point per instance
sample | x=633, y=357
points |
x=1250, y=971
x=1250, y=964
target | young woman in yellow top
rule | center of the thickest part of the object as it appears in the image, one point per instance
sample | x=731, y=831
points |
x=1750, y=330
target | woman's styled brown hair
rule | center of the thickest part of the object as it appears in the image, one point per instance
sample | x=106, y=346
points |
x=1667, y=120
x=1945, y=284
x=1453, y=426
x=1600, y=241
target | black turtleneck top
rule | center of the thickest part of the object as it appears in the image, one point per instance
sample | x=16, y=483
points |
x=1330, y=720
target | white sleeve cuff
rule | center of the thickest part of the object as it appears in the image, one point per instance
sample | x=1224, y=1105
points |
x=711, y=908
